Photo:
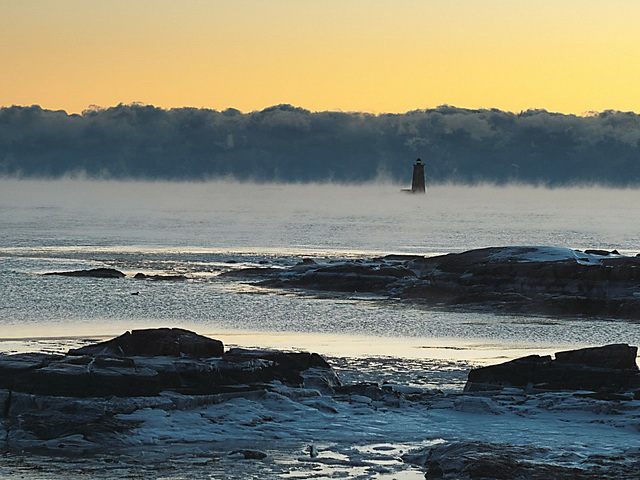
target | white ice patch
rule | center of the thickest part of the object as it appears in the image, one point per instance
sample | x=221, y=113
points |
x=547, y=254
x=352, y=435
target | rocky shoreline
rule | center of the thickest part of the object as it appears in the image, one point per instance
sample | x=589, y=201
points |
x=97, y=397
x=521, y=280
x=528, y=280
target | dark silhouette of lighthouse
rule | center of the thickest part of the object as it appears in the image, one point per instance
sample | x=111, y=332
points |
x=417, y=184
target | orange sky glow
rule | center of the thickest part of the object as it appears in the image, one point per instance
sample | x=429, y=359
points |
x=374, y=56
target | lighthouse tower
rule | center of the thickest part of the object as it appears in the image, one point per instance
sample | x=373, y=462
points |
x=417, y=184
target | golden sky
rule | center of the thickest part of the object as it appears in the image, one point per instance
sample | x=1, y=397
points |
x=569, y=56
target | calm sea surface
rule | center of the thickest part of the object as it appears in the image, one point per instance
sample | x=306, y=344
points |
x=202, y=229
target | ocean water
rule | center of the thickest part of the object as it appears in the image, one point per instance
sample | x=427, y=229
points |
x=202, y=229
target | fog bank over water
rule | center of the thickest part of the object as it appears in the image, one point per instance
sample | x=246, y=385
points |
x=373, y=217
x=289, y=144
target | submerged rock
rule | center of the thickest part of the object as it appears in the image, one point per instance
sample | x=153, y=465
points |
x=607, y=369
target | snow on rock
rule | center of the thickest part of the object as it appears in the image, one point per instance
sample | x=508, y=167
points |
x=545, y=254
x=354, y=438
x=505, y=428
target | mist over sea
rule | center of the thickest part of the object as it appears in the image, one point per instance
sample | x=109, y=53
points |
x=200, y=229
x=375, y=217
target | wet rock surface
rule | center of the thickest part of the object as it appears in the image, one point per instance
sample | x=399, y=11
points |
x=610, y=369
x=526, y=280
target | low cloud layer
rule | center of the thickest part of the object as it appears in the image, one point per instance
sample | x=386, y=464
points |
x=288, y=144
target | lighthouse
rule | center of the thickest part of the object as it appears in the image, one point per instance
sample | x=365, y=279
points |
x=417, y=184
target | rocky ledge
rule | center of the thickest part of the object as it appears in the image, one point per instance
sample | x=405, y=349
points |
x=608, y=372
x=527, y=280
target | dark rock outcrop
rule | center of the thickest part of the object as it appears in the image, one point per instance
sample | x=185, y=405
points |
x=95, y=273
x=173, y=342
x=147, y=362
x=170, y=278
x=607, y=369
x=616, y=356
